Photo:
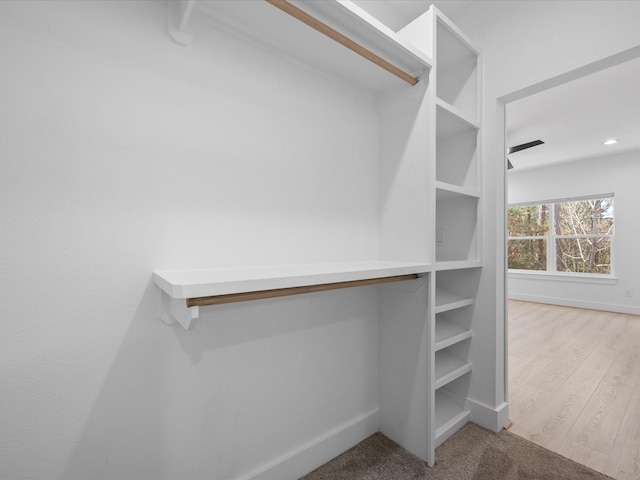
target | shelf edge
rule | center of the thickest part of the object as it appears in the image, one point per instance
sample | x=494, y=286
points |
x=460, y=337
x=452, y=375
x=449, y=187
x=457, y=113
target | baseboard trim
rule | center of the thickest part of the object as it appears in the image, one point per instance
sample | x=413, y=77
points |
x=491, y=418
x=570, y=302
x=320, y=450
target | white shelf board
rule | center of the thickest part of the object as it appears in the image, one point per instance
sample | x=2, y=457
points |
x=446, y=191
x=181, y=284
x=448, y=333
x=450, y=415
x=446, y=300
x=456, y=265
x=270, y=27
x=452, y=121
x=449, y=367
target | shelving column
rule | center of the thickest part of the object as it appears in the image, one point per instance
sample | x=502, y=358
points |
x=456, y=136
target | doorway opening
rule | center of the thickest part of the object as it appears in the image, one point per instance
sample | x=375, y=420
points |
x=573, y=377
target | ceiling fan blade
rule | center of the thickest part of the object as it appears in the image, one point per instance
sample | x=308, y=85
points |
x=524, y=146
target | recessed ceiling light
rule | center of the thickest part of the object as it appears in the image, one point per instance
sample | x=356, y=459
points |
x=611, y=141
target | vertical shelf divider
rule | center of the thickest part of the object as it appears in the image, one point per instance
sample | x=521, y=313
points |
x=455, y=199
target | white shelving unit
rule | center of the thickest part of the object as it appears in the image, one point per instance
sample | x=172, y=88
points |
x=430, y=214
x=455, y=196
x=458, y=220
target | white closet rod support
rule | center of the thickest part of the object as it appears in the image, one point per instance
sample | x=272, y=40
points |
x=325, y=29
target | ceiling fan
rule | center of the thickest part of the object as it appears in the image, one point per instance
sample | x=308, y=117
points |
x=518, y=148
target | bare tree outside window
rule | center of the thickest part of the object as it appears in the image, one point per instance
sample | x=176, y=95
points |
x=583, y=236
x=530, y=224
x=580, y=240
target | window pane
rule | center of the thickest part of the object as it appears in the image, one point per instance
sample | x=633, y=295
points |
x=528, y=254
x=528, y=221
x=583, y=255
x=586, y=217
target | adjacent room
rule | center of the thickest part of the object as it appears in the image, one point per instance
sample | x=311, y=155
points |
x=243, y=238
x=574, y=154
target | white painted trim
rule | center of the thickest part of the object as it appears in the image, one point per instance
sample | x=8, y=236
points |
x=491, y=418
x=320, y=450
x=563, y=277
x=568, y=302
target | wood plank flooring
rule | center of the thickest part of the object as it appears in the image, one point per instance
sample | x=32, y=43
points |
x=574, y=384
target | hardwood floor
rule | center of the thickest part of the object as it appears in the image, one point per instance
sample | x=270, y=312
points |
x=574, y=384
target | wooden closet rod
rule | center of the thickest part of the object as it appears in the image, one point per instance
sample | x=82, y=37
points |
x=282, y=292
x=325, y=29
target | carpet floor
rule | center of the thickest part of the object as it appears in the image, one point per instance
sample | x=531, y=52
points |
x=473, y=453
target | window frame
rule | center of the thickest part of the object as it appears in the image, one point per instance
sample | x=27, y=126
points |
x=551, y=238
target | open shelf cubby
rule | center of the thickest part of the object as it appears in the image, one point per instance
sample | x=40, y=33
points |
x=457, y=77
x=450, y=409
x=456, y=149
x=454, y=286
x=453, y=326
x=456, y=227
x=451, y=363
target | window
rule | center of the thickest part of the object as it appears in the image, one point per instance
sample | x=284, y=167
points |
x=571, y=236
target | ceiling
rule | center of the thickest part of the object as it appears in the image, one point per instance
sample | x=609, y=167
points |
x=574, y=119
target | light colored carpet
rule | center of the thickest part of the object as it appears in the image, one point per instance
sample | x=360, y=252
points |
x=473, y=453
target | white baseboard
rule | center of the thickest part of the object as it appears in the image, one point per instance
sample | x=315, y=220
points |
x=570, y=302
x=318, y=451
x=488, y=417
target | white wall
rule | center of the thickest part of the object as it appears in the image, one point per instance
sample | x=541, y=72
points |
x=524, y=43
x=122, y=152
x=615, y=174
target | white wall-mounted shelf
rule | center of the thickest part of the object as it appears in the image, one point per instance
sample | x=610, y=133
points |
x=271, y=27
x=446, y=191
x=449, y=367
x=179, y=287
x=456, y=265
x=453, y=122
x=457, y=121
x=449, y=333
x=446, y=300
